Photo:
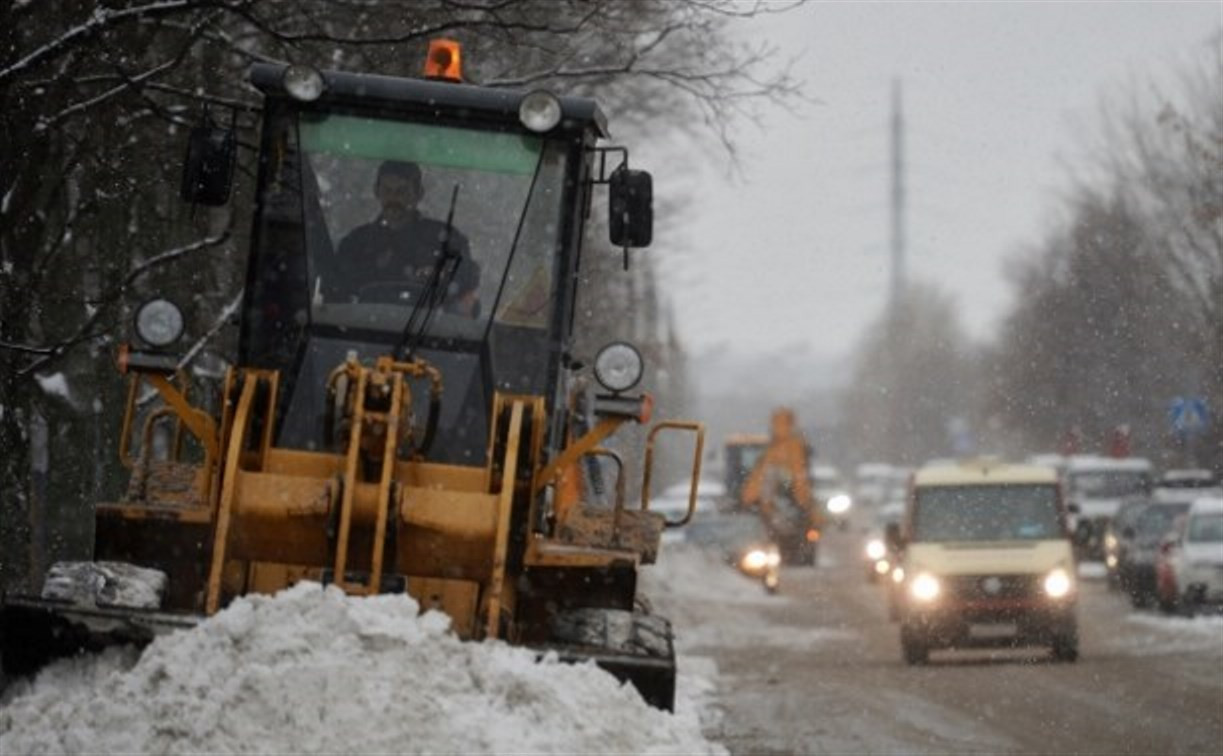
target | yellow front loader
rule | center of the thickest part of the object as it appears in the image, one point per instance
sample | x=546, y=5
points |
x=378, y=436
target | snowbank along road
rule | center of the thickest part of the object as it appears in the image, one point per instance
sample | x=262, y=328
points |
x=314, y=671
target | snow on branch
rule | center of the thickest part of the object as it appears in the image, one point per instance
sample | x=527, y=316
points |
x=101, y=19
x=85, y=331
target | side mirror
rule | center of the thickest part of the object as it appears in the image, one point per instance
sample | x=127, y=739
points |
x=891, y=534
x=631, y=208
x=208, y=171
x=1082, y=534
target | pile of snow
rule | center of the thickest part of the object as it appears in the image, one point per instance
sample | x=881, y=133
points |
x=1171, y=635
x=116, y=583
x=312, y=670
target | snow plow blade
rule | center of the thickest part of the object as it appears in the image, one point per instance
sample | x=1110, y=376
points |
x=634, y=647
x=37, y=631
x=653, y=678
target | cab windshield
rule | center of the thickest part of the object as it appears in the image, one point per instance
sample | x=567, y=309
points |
x=368, y=224
x=986, y=513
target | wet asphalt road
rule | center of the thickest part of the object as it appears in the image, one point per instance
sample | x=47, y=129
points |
x=818, y=669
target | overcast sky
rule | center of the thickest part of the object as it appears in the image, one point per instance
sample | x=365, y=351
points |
x=796, y=251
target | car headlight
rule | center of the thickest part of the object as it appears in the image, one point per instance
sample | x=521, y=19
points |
x=540, y=111
x=756, y=559
x=1057, y=583
x=1110, y=541
x=303, y=83
x=925, y=587
x=875, y=549
x=618, y=366
x=839, y=504
x=159, y=322
x=898, y=574
x=882, y=567
x=773, y=557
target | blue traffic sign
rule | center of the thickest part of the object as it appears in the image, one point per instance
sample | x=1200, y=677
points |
x=1189, y=415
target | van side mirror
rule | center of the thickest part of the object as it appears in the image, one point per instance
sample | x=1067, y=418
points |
x=1082, y=535
x=208, y=171
x=631, y=208
x=891, y=534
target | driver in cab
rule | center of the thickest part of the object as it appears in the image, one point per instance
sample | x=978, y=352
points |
x=398, y=252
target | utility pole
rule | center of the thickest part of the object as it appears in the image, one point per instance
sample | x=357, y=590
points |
x=898, y=201
x=893, y=403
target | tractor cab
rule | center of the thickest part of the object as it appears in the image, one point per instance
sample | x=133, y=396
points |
x=424, y=218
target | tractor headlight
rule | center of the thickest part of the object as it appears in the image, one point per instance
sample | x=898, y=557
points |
x=540, y=111
x=839, y=504
x=875, y=549
x=1057, y=583
x=159, y=322
x=303, y=83
x=618, y=366
x=925, y=587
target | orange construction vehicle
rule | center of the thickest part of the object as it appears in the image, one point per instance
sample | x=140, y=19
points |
x=418, y=432
x=779, y=487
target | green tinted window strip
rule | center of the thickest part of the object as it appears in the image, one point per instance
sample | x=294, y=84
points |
x=378, y=139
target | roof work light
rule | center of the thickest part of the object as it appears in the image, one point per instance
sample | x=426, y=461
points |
x=444, y=61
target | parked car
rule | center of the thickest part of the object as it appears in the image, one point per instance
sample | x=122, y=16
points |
x=1096, y=487
x=1141, y=536
x=1189, y=478
x=1190, y=565
x=742, y=541
x=1118, y=536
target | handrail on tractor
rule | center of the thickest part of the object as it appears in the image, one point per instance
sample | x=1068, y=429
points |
x=682, y=425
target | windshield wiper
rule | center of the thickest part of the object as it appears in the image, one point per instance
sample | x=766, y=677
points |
x=434, y=293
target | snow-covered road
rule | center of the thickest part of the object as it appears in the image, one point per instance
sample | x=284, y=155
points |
x=818, y=669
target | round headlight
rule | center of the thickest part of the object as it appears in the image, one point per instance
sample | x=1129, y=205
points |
x=839, y=504
x=618, y=366
x=303, y=83
x=1057, y=583
x=159, y=322
x=540, y=111
x=925, y=587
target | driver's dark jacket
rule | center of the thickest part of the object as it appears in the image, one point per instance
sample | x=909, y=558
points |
x=376, y=253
